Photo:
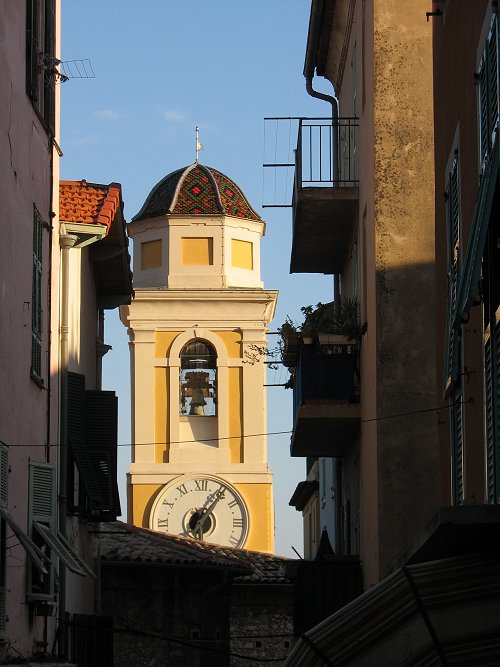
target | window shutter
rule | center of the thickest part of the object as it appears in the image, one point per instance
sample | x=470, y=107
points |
x=4, y=477
x=492, y=413
x=492, y=66
x=31, y=48
x=49, y=75
x=101, y=429
x=482, y=82
x=36, y=300
x=62, y=549
x=457, y=448
x=453, y=217
x=42, y=508
x=4, y=472
x=42, y=496
x=76, y=412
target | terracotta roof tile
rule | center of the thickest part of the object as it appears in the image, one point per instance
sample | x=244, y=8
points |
x=90, y=203
x=124, y=543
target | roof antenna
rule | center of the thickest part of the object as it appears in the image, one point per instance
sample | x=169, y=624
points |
x=199, y=145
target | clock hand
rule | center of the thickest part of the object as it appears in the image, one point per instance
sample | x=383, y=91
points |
x=205, y=513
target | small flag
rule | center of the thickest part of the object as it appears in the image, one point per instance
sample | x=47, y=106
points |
x=199, y=145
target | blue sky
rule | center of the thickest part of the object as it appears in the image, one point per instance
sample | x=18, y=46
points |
x=161, y=69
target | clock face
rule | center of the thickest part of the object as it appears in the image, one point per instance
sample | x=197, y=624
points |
x=203, y=507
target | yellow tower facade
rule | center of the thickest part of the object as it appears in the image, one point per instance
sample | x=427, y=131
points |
x=197, y=327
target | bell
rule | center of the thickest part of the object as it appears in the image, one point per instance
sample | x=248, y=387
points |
x=197, y=403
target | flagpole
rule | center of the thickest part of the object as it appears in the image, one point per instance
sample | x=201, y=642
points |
x=197, y=144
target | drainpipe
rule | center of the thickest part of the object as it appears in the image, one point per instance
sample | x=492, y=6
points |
x=335, y=156
x=66, y=241
x=335, y=115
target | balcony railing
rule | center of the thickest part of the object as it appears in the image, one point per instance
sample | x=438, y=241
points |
x=325, y=156
x=326, y=152
x=330, y=373
x=326, y=409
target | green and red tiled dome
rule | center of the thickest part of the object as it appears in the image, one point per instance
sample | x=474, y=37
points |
x=196, y=190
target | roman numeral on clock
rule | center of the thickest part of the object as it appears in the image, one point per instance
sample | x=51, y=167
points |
x=233, y=541
x=233, y=503
x=162, y=523
x=237, y=523
x=182, y=489
x=201, y=484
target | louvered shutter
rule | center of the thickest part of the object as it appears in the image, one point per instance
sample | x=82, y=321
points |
x=482, y=81
x=492, y=413
x=101, y=428
x=42, y=508
x=76, y=434
x=36, y=297
x=4, y=477
x=49, y=79
x=453, y=216
x=31, y=48
x=492, y=69
x=42, y=496
x=487, y=79
x=457, y=450
x=4, y=471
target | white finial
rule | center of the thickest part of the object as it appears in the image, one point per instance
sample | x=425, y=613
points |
x=199, y=145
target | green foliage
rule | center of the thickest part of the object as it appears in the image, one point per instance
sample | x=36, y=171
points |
x=341, y=317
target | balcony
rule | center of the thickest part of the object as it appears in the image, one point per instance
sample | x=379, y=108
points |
x=326, y=409
x=324, y=191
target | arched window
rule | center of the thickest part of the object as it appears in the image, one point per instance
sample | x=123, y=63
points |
x=198, y=379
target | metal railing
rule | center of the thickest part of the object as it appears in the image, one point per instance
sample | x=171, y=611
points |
x=325, y=155
x=326, y=152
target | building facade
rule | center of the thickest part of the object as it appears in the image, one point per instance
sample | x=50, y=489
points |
x=438, y=602
x=364, y=401
x=53, y=295
x=466, y=137
x=197, y=328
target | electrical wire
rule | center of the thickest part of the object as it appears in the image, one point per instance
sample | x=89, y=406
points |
x=260, y=435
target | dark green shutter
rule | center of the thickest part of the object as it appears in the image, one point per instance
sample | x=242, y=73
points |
x=42, y=508
x=49, y=75
x=453, y=220
x=469, y=285
x=492, y=60
x=76, y=434
x=32, y=14
x=487, y=79
x=4, y=479
x=101, y=431
x=482, y=81
x=457, y=450
x=492, y=414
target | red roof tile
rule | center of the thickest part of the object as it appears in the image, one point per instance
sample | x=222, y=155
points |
x=89, y=203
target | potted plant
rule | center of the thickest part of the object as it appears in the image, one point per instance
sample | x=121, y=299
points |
x=329, y=323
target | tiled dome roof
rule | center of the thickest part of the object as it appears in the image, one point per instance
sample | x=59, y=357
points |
x=196, y=190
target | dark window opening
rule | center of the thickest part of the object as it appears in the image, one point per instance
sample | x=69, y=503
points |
x=198, y=379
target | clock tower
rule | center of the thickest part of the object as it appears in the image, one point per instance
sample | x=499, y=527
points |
x=197, y=327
